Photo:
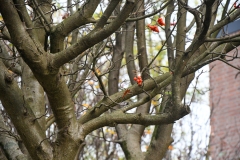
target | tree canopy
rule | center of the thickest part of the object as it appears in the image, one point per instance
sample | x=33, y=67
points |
x=72, y=68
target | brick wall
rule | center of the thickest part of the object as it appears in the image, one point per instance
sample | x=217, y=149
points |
x=225, y=105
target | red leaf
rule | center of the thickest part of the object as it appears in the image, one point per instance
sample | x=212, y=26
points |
x=127, y=91
x=65, y=15
x=235, y=5
x=153, y=28
x=161, y=22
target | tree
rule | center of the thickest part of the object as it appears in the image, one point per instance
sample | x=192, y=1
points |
x=61, y=81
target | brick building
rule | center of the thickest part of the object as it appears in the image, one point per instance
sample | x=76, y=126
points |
x=225, y=105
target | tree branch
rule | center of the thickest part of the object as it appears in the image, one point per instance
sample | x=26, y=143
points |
x=10, y=64
x=21, y=39
x=107, y=13
x=9, y=143
x=22, y=116
x=118, y=117
x=92, y=38
x=225, y=21
x=106, y=103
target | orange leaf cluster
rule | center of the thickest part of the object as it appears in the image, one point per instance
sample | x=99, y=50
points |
x=153, y=28
x=138, y=79
x=161, y=22
x=170, y=147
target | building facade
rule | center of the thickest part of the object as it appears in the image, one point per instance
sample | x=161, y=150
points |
x=225, y=108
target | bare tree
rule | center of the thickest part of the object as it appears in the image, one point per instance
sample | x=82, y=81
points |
x=70, y=71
